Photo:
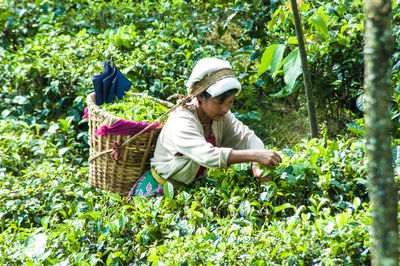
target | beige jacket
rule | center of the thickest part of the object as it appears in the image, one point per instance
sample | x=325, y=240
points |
x=181, y=147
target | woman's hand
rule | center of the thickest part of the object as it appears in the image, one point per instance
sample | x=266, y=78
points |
x=258, y=173
x=268, y=158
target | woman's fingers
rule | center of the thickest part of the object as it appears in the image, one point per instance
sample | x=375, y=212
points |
x=272, y=159
x=277, y=157
x=257, y=172
x=268, y=158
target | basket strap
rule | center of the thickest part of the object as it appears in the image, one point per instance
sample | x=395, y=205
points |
x=121, y=145
x=115, y=148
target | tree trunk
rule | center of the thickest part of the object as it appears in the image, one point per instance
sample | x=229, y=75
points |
x=306, y=73
x=383, y=192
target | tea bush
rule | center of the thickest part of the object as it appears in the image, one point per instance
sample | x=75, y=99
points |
x=314, y=210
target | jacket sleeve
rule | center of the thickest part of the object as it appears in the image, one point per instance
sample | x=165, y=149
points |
x=190, y=142
x=239, y=136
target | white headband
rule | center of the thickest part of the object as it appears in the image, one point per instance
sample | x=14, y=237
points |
x=209, y=67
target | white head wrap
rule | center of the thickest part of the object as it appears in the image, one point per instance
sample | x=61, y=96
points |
x=207, y=66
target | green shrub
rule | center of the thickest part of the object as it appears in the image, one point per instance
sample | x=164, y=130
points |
x=52, y=215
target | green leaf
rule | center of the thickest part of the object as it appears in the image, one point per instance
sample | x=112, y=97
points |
x=266, y=58
x=320, y=25
x=313, y=158
x=62, y=151
x=286, y=91
x=313, y=209
x=45, y=221
x=277, y=59
x=292, y=40
x=288, y=152
x=35, y=246
x=355, y=129
x=274, y=22
x=5, y=113
x=254, y=55
x=81, y=33
x=254, y=115
x=20, y=100
x=122, y=221
x=89, y=215
x=356, y=203
x=80, y=256
x=168, y=190
x=38, y=3
x=275, y=250
x=64, y=123
x=342, y=218
x=292, y=68
x=115, y=197
x=244, y=208
x=396, y=155
x=153, y=258
x=321, y=203
x=282, y=207
x=224, y=183
x=178, y=40
x=113, y=226
x=360, y=102
x=329, y=227
x=264, y=196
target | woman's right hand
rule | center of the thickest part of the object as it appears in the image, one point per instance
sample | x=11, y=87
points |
x=268, y=158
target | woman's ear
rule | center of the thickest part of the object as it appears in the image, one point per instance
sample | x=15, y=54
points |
x=200, y=98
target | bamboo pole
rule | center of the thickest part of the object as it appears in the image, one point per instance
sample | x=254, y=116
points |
x=306, y=73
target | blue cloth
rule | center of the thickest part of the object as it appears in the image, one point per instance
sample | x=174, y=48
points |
x=109, y=84
x=98, y=82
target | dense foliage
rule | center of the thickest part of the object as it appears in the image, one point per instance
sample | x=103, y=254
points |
x=314, y=209
x=136, y=108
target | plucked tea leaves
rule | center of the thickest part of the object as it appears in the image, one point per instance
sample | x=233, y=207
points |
x=136, y=108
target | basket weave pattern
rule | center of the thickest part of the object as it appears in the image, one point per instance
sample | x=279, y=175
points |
x=117, y=176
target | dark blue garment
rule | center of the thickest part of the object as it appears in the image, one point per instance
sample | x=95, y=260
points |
x=119, y=86
x=98, y=82
x=109, y=84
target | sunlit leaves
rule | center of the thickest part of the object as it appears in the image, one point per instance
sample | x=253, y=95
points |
x=320, y=25
x=292, y=68
x=35, y=247
x=169, y=190
x=272, y=57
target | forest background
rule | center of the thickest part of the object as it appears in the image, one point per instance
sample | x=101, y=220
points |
x=315, y=209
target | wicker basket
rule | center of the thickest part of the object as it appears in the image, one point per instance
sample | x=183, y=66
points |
x=117, y=176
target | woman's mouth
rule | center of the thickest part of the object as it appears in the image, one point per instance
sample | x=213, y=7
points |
x=219, y=116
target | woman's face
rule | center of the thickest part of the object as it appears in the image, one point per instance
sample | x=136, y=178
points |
x=215, y=109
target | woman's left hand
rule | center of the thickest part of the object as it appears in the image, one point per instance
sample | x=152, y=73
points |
x=258, y=173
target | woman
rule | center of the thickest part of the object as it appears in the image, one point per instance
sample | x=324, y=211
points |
x=204, y=134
